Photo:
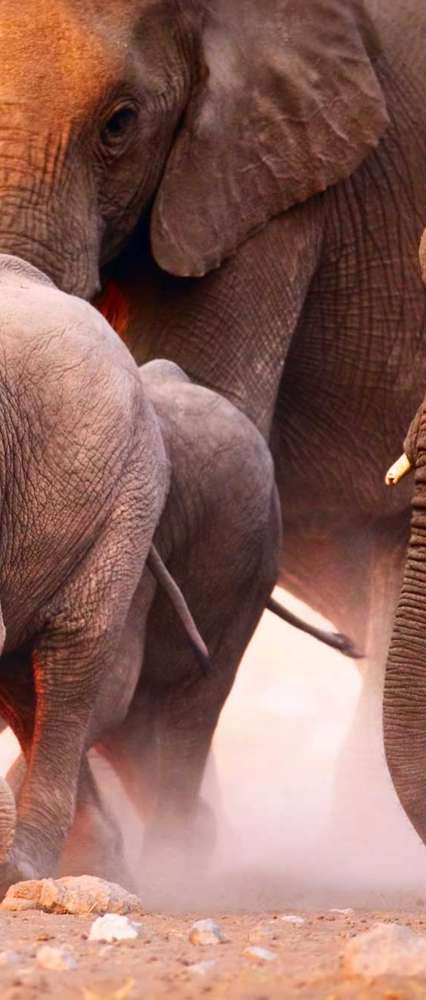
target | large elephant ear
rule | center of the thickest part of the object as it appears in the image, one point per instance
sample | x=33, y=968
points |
x=288, y=103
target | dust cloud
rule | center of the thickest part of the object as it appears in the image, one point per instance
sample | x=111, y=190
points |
x=302, y=821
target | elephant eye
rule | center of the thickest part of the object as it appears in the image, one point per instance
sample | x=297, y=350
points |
x=119, y=127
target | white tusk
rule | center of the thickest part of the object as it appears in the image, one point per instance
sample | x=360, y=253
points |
x=398, y=470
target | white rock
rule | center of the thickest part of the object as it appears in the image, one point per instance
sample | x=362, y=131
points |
x=9, y=957
x=202, y=968
x=292, y=919
x=206, y=932
x=58, y=959
x=257, y=954
x=345, y=912
x=113, y=927
x=386, y=949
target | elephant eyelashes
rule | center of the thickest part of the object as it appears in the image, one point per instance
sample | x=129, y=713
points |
x=119, y=127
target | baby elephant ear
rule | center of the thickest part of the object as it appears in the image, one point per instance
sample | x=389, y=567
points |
x=289, y=103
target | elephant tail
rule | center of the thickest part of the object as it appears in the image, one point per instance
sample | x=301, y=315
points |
x=165, y=580
x=334, y=639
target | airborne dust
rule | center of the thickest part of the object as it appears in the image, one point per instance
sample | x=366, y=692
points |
x=303, y=821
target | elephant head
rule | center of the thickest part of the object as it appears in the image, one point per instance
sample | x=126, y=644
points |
x=209, y=116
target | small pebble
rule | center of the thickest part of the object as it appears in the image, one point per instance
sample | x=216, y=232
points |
x=259, y=954
x=9, y=957
x=202, y=968
x=206, y=932
x=113, y=927
x=292, y=919
x=58, y=959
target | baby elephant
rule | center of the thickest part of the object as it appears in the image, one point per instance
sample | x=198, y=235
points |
x=83, y=480
x=96, y=457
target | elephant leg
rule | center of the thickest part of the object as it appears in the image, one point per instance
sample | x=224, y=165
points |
x=16, y=774
x=160, y=756
x=353, y=577
x=48, y=793
x=72, y=661
x=369, y=829
x=160, y=751
x=95, y=845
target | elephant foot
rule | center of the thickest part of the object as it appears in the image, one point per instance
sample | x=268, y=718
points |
x=95, y=847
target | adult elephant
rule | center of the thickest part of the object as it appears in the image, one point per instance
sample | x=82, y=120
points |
x=250, y=178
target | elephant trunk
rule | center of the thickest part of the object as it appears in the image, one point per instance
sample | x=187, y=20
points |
x=404, y=706
x=7, y=819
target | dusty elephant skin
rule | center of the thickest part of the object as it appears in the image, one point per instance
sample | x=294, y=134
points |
x=216, y=120
x=90, y=467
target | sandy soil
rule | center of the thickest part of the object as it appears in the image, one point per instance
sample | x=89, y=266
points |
x=159, y=964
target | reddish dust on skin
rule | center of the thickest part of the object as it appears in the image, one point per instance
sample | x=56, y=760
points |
x=113, y=304
x=40, y=694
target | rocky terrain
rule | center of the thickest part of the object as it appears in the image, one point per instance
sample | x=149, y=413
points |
x=339, y=954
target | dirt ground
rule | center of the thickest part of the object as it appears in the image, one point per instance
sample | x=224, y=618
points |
x=160, y=963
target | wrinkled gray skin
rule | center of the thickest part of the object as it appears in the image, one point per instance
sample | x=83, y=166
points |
x=90, y=457
x=405, y=682
x=302, y=127
x=83, y=482
x=404, y=707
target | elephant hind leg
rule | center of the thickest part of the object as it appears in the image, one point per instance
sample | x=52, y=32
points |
x=160, y=751
x=95, y=844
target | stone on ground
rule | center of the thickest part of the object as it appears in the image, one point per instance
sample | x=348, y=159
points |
x=57, y=959
x=78, y=895
x=260, y=955
x=113, y=927
x=386, y=949
x=206, y=932
x=9, y=958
